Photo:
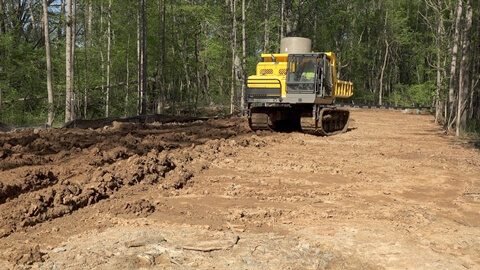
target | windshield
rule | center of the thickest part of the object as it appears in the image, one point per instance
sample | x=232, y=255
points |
x=301, y=69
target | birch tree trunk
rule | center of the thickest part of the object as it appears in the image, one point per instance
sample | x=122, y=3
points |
x=453, y=65
x=144, y=57
x=109, y=42
x=72, y=61
x=266, y=44
x=49, y=64
x=139, y=60
x=438, y=103
x=127, y=86
x=382, y=71
x=234, y=53
x=87, y=33
x=2, y=31
x=164, y=58
x=68, y=63
x=282, y=18
x=197, y=68
x=464, y=79
x=244, y=59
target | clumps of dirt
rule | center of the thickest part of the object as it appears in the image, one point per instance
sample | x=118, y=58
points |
x=88, y=166
x=138, y=208
x=133, y=170
x=27, y=255
x=33, y=179
x=52, y=202
x=258, y=216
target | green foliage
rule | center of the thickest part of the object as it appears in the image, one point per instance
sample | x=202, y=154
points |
x=190, y=58
x=416, y=95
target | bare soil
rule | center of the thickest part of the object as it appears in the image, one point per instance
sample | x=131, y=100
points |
x=392, y=192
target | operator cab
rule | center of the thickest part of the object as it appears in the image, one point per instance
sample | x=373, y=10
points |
x=309, y=74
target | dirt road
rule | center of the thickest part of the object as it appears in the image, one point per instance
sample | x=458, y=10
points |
x=393, y=192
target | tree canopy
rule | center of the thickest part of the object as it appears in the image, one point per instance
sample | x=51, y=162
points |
x=179, y=56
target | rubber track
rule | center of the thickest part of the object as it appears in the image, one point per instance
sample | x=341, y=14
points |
x=331, y=121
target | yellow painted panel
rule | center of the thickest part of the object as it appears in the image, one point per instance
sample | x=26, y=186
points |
x=279, y=57
x=343, y=89
x=267, y=82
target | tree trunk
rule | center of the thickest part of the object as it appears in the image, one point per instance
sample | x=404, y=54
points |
x=102, y=57
x=87, y=33
x=453, y=65
x=127, y=86
x=61, y=22
x=2, y=20
x=244, y=60
x=49, y=64
x=139, y=61
x=206, y=79
x=160, y=65
x=2, y=31
x=382, y=71
x=464, y=79
x=164, y=59
x=109, y=44
x=68, y=63
x=282, y=18
x=90, y=16
x=197, y=69
x=438, y=103
x=1, y=96
x=266, y=45
x=144, y=57
x=72, y=62
x=234, y=53
x=32, y=19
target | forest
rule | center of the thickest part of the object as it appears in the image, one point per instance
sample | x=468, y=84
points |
x=62, y=60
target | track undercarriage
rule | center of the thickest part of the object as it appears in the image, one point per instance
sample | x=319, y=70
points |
x=324, y=121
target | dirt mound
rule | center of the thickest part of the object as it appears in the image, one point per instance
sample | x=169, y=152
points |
x=72, y=169
x=393, y=191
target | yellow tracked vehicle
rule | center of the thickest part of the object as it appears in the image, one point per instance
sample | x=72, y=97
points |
x=295, y=90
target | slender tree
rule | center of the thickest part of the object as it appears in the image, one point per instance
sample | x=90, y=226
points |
x=48, y=57
x=464, y=79
x=2, y=18
x=234, y=54
x=453, y=65
x=144, y=57
x=382, y=70
x=109, y=47
x=266, y=34
x=139, y=60
x=2, y=32
x=244, y=59
x=68, y=64
x=73, y=37
x=87, y=38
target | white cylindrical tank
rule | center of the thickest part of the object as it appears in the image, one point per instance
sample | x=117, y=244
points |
x=295, y=45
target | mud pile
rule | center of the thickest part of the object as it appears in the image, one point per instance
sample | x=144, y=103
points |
x=48, y=173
